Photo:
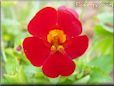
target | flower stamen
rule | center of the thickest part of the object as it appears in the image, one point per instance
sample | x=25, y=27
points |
x=60, y=48
x=56, y=38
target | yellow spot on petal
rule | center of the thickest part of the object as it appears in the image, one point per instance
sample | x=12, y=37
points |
x=53, y=48
x=56, y=37
x=60, y=48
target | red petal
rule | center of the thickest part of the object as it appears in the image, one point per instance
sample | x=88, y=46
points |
x=70, y=10
x=43, y=21
x=35, y=50
x=58, y=64
x=68, y=22
x=77, y=46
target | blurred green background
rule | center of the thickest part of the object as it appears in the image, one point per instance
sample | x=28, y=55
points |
x=94, y=67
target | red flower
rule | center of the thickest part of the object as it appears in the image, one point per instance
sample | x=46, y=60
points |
x=55, y=41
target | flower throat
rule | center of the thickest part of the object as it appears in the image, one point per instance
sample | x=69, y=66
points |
x=56, y=37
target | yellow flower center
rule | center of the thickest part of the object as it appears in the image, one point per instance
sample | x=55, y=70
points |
x=56, y=38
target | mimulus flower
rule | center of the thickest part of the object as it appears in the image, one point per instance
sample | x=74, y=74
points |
x=55, y=41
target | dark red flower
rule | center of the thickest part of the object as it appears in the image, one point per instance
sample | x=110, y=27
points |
x=55, y=41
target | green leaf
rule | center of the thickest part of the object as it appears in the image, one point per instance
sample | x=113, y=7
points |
x=82, y=69
x=97, y=76
x=105, y=63
x=105, y=23
x=54, y=80
x=30, y=70
x=17, y=78
x=103, y=31
x=11, y=64
x=21, y=75
x=83, y=80
x=104, y=46
x=10, y=79
x=65, y=80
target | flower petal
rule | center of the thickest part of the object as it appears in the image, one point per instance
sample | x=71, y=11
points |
x=76, y=46
x=70, y=10
x=68, y=22
x=58, y=64
x=43, y=21
x=35, y=50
